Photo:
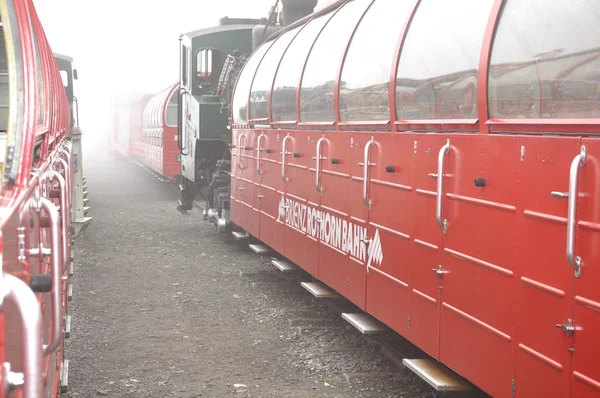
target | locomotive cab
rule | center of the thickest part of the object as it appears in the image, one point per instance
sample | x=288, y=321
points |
x=203, y=112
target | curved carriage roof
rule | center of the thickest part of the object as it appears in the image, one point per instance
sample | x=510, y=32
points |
x=410, y=65
x=153, y=116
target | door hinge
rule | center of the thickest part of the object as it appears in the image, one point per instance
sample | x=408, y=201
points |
x=513, y=387
x=409, y=322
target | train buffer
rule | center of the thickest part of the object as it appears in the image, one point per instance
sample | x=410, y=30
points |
x=260, y=249
x=440, y=377
x=284, y=266
x=319, y=290
x=365, y=323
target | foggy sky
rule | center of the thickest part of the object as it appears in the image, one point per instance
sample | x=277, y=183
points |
x=122, y=46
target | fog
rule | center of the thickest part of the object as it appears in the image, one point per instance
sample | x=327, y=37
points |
x=128, y=46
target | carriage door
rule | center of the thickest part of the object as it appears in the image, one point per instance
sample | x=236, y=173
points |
x=248, y=181
x=586, y=306
x=185, y=133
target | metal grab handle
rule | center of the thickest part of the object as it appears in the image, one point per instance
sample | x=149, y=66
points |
x=30, y=313
x=318, y=166
x=365, y=167
x=283, y=155
x=68, y=186
x=181, y=120
x=65, y=210
x=239, y=150
x=57, y=266
x=579, y=161
x=440, y=186
x=258, y=150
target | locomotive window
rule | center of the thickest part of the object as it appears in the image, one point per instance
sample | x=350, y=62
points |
x=318, y=82
x=364, y=88
x=537, y=72
x=242, y=88
x=64, y=75
x=261, y=88
x=171, y=115
x=437, y=73
x=283, y=103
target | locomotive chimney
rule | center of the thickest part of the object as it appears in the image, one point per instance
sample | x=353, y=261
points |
x=294, y=10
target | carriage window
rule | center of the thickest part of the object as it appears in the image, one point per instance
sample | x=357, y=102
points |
x=4, y=94
x=171, y=116
x=364, y=88
x=288, y=75
x=261, y=88
x=41, y=111
x=537, y=72
x=437, y=73
x=318, y=82
x=242, y=88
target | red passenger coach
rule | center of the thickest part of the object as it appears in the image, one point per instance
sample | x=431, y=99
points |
x=159, y=131
x=438, y=164
x=126, y=136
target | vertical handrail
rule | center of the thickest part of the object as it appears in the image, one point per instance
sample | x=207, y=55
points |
x=258, y=150
x=578, y=162
x=64, y=210
x=57, y=267
x=239, y=150
x=284, y=153
x=366, y=165
x=30, y=313
x=440, y=186
x=318, y=165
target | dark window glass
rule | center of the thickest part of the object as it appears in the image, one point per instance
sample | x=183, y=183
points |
x=318, y=81
x=437, y=74
x=290, y=70
x=242, y=88
x=171, y=116
x=545, y=60
x=364, y=87
x=259, y=96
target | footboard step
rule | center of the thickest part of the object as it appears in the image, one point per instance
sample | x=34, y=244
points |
x=437, y=375
x=86, y=210
x=260, y=249
x=240, y=235
x=68, y=326
x=64, y=376
x=284, y=266
x=70, y=292
x=86, y=201
x=71, y=267
x=319, y=290
x=364, y=323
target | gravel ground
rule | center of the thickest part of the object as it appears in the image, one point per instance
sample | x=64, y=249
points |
x=163, y=306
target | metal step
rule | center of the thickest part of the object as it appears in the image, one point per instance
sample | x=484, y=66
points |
x=364, y=323
x=86, y=210
x=260, y=249
x=71, y=268
x=86, y=201
x=319, y=290
x=70, y=292
x=437, y=375
x=68, y=326
x=64, y=376
x=285, y=266
x=181, y=187
x=85, y=193
x=240, y=235
x=83, y=179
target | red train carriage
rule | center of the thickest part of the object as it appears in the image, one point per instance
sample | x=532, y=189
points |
x=159, y=131
x=126, y=136
x=438, y=164
x=35, y=202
